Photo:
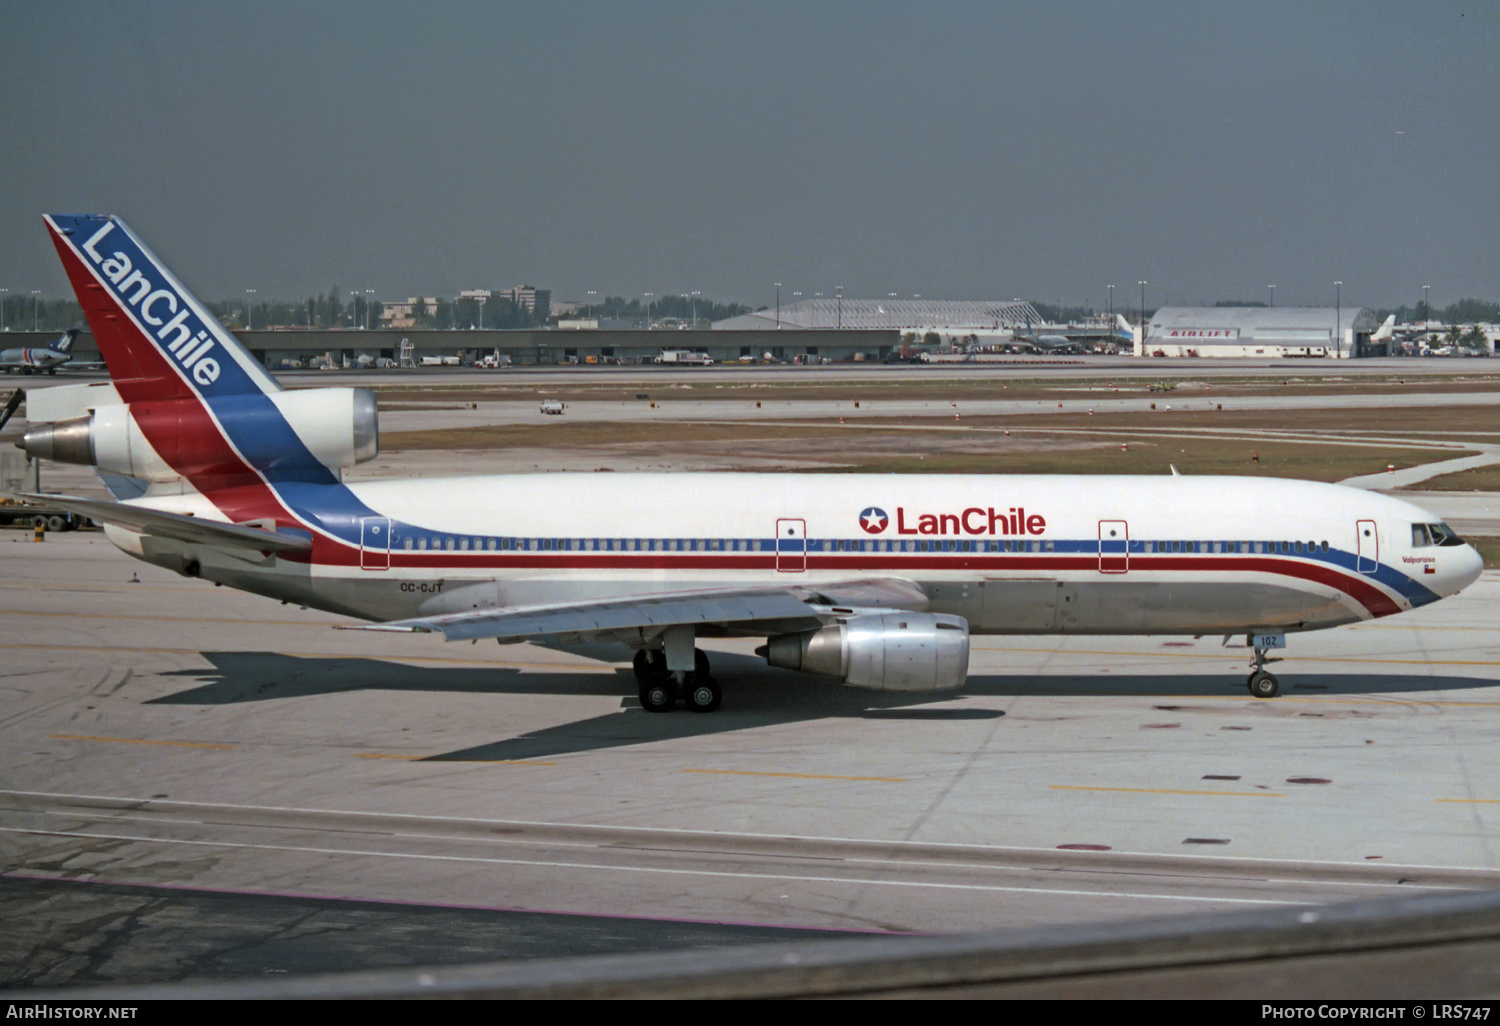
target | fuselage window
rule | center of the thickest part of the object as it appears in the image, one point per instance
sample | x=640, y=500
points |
x=406, y=544
x=464, y=544
x=448, y=545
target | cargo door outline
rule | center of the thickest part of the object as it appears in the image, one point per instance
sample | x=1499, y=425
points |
x=1367, y=540
x=375, y=543
x=1114, y=547
x=791, y=546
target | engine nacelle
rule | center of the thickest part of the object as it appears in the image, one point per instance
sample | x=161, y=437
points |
x=881, y=651
x=338, y=427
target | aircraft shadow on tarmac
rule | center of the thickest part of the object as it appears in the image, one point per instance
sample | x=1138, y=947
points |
x=755, y=695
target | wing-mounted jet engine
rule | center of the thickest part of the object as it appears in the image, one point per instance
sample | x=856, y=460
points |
x=881, y=651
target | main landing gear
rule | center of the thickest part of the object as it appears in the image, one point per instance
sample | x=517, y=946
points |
x=660, y=688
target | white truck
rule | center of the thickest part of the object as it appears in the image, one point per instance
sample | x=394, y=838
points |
x=685, y=358
x=552, y=406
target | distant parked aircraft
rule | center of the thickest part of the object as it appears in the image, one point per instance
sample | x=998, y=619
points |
x=40, y=361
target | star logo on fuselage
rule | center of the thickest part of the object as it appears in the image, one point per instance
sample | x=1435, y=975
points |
x=873, y=520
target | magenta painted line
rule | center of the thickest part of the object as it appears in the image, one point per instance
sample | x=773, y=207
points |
x=302, y=896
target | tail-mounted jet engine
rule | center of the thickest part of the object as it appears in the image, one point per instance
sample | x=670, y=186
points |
x=881, y=651
x=337, y=428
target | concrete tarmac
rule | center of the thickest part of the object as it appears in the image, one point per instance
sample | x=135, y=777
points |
x=202, y=783
x=176, y=746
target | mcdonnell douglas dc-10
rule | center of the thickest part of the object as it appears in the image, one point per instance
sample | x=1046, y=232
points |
x=877, y=581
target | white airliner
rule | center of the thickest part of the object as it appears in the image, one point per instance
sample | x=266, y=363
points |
x=874, y=580
x=42, y=359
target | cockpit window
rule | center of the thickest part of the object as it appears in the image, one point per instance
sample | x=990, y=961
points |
x=1423, y=535
x=1442, y=534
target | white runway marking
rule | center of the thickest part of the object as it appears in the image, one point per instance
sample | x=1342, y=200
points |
x=854, y=881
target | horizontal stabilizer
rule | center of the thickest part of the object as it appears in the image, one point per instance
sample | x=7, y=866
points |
x=792, y=608
x=177, y=526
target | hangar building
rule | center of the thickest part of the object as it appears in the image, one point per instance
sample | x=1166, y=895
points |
x=950, y=318
x=1301, y=331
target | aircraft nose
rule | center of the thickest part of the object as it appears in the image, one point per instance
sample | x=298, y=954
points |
x=1467, y=566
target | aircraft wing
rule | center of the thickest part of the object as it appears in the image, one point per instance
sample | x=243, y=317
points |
x=177, y=526
x=782, y=608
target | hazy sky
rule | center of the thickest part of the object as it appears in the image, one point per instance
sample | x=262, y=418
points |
x=957, y=150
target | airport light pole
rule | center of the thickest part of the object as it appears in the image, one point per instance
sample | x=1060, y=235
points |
x=3, y=294
x=1111, y=304
x=778, y=306
x=595, y=304
x=1338, y=318
x=370, y=309
x=249, y=310
x=1426, y=309
x=696, y=293
x=839, y=291
x=36, y=299
x=648, y=309
x=1273, y=294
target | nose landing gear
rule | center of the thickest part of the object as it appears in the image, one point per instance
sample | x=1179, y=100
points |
x=1261, y=682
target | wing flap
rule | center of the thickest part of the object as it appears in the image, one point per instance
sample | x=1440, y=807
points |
x=178, y=527
x=605, y=616
x=788, y=607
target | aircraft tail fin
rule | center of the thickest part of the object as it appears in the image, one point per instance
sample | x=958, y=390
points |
x=1386, y=331
x=157, y=339
x=65, y=341
x=1123, y=326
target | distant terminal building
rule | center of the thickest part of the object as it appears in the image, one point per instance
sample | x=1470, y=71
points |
x=531, y=299
x=404, y=315
x=1287, y=331
x=952, y=319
